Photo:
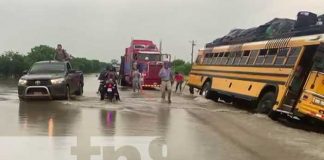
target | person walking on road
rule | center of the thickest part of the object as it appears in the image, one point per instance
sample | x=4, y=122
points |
x=61, y=54
x=166, y=81
x=179, y=79
x=136, y=80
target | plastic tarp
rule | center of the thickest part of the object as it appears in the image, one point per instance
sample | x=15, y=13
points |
x=276, y=28
x=268, y=30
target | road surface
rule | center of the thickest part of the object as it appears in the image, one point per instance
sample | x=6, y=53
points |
x=189, y=128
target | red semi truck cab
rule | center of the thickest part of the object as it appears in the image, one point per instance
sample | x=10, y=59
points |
x=147, y=58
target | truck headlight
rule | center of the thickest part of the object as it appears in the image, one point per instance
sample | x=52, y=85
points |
x=22, y=82
x=57, y=81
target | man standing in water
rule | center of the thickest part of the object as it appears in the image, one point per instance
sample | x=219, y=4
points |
x=136, y=80
x=166, y=81
x=61, y=54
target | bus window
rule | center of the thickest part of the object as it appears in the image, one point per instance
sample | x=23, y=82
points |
x=198, y=60
x=245, y=57
x=253, y=56
x=210, y=59
x=319, y=63
x=219, y=58
x=238, y=58
x=281, y=56
x=270, y=56
x=261, y=57
x=205, y=59
x=231, y=58
x=293, y=55
x=215, y=58
x=225, y=58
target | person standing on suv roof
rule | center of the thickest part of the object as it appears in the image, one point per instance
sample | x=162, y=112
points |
x=61, y=54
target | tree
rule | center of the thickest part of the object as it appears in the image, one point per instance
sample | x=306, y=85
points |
x=185, y=68
x=181, y=66
x=178, y=62
x=114, y=61
x=40, y=53
x=12, y=63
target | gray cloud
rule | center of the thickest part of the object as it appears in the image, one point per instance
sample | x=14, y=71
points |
x=101, y=29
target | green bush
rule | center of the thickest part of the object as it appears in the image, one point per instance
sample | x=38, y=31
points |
x=181, y=66
x=13, y=63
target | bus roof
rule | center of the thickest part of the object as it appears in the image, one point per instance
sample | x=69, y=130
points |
x=274, y=43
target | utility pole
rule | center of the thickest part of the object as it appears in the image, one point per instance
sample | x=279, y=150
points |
x=193, y=44
x=160, y=46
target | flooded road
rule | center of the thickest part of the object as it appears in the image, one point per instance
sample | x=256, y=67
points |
x=189, y=128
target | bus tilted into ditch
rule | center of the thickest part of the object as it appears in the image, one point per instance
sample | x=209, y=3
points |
x=280, y=76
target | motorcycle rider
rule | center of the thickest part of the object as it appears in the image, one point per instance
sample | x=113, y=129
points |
x=112, y=75
x=102, y=78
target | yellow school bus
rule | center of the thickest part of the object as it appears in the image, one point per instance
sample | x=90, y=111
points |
x=280, y=76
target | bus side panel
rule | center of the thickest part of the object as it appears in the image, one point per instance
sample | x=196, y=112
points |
x=196, y=80
x=282, y=89
x=238, y=87
x=312, y=100
x=315, y=83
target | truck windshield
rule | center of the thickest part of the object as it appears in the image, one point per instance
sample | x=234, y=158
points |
x=47, y=68
x=149, y=57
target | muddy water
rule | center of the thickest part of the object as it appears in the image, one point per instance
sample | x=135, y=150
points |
x=190, y=128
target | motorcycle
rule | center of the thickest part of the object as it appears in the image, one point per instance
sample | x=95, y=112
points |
x=108, y=90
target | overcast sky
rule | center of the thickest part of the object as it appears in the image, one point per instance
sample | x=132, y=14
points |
x=102, y=29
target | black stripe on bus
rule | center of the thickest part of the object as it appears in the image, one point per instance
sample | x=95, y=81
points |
x=236, y=95
x=259, y=66
x=244, y=79
x=240, y=72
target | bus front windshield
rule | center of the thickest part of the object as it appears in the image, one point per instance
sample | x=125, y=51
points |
x=319, y=63
x=149, y=57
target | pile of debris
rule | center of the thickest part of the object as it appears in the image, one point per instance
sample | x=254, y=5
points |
x=306, y=23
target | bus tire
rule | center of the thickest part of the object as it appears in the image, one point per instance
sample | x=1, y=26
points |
x=192, y=90
x=206, y=91
x=266, y=103
x=274, y=115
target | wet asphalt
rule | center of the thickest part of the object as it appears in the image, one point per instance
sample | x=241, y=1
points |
x=189, y=128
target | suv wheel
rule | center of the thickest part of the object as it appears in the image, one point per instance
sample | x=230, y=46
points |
x=79, y=92
x=67, y=93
